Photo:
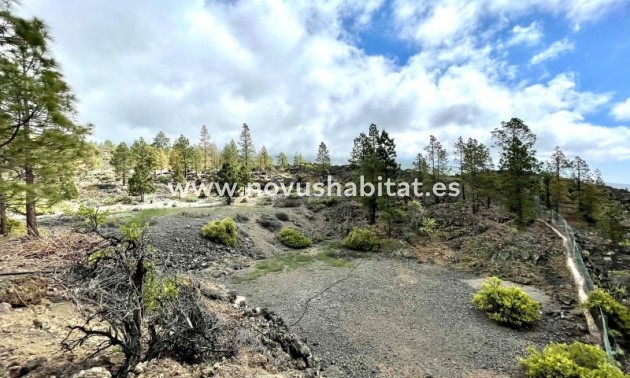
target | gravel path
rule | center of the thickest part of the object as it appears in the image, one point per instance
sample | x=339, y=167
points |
x=392, y=318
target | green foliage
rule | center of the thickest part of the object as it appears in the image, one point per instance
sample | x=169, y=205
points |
x=618, y=314
x=610, y=221
x=91, y=216
x=247, y=150
x=362, y=239
x=42, y=146
x=292, y=261
x=133, y=231
x=429, y=228
x=506, y=305
x=141, y=182
x=373, y=157
x=122, y=161
x=156, y=290
x=99, y=255
x=222, y=231
x=576, y=360
x=15, y=227
x=182, y=155
x=518, y=166
x=437, y=159
x=264, y=159
x=282, y=160
x=323, y=159
x=293, y=238
x=229, y=178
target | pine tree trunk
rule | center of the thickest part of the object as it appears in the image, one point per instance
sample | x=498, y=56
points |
x=547, y=193
x=31, y=213
x=372, y=211
x=4, y=222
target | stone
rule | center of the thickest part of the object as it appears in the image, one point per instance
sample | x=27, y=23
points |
x=140, y=368
x=5, y=308
x=95, y=372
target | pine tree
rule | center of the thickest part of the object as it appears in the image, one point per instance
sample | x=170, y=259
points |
x=323, y=159
x=122, y=161
x=230, y=155
x=555, y=187
x=580, y=172
x=161, y=159
x=282, y=161
x=247, y=150
x=460, y=147
x=186, y=153
x=141, y=182
x=373, y=156
x=161, y=141
x=204, y=145
x=475, y=163
x=177, y=165
x=518, y=166
x=228, y=177
x=214, y=157
x=437, y=157
x=610, y=220
x=264, y=160
x=297, y=160
x=40, y=145
x=420, y=168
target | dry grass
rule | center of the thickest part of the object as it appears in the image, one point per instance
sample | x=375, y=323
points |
x=52, y=251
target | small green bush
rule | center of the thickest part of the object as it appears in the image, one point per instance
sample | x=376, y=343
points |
x=506, y=305
x=429, y=228
x=222, y=231
x=362, y=239
x=576, y=360
x=618, y=314
x=293, y=238
x=282, y=216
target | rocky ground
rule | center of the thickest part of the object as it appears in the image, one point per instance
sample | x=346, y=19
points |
x=398, y=318
x=386, y=316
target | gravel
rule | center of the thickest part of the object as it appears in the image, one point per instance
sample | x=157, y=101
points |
x=397, y=318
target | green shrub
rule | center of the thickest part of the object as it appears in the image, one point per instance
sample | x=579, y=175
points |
x=16, y=228
x=506, y=305
x=282, y=216
x=618, y=314
x=362, y=239
x=577, y=360
x=429, y=228
x=222, y=231
x=293, y=238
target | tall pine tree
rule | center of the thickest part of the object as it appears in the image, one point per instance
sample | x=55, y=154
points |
x=518, y=167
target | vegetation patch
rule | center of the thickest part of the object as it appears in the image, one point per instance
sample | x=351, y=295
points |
x=573, y=360
x=293, y=238
x=618, y=315
x=510, y=306
x=292, y=261
x=222, y=231
x=362, y=239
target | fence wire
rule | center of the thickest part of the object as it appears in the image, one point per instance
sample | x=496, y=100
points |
x=575, y=254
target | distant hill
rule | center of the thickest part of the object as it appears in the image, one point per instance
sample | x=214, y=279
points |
x=619, y=186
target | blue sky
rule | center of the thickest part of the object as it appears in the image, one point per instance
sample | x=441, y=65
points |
x=300, y=72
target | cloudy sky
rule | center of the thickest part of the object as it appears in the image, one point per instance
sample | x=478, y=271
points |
x=299, y=72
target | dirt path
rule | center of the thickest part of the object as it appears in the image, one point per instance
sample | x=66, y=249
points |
x=579, y=284
x=393, y=318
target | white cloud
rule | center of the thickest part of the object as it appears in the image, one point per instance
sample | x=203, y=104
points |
x=292, y=71
x=553, y=51
x=435, y=23
x=621, y=111
x=528, y=35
